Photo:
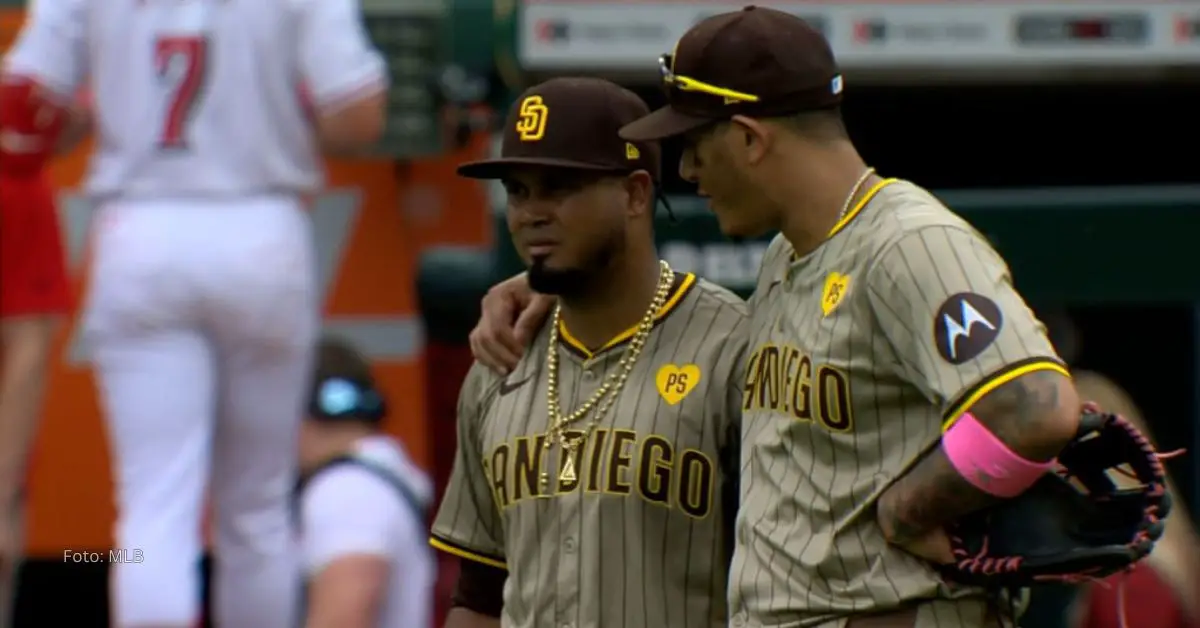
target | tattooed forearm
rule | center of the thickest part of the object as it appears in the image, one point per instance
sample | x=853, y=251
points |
x=929, y=495
x=1034, y=415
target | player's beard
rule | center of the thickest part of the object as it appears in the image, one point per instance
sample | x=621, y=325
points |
x=572, y=283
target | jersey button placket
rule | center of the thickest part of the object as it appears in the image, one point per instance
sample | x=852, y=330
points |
x=590, y=369
x=577, y=608
x=570, y=508
x=597, y=367
x=569, y=574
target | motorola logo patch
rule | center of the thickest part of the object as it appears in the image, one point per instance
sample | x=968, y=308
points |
x=965, y=325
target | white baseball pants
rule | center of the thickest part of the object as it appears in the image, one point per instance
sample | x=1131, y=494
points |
x=201, y=318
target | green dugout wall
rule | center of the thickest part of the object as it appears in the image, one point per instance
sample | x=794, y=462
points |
x=1085, y=246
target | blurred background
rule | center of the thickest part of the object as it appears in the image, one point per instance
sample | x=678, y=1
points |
x=1066, y=131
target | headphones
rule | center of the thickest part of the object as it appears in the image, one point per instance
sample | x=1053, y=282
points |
x=345, y=399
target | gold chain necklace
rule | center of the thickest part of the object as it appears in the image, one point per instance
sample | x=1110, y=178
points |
x=842, y=214
x=606, y=395
x=850, y=198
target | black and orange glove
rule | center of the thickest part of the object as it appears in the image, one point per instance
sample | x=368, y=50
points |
x=1075, y=523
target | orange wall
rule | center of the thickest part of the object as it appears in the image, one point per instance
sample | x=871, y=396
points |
x=405, y=210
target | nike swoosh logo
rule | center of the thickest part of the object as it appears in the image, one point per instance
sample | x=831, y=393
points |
x=506, y=387
x=985, y=477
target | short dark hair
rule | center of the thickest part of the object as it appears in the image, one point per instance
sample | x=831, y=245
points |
x=822, y=125
x=337, y=357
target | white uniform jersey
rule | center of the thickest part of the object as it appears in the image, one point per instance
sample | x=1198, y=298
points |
x=201, y=97
x=349, y=510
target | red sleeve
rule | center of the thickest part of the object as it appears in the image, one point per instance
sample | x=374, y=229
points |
x=29, y=125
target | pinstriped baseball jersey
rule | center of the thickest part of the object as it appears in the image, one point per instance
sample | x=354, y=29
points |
x=642, y=537
x=860, y=351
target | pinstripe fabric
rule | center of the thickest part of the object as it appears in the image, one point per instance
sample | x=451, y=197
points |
x=845, y=390
x=643, y=538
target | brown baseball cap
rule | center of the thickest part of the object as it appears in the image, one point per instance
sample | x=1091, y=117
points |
x=756, y=62
x=572, y=122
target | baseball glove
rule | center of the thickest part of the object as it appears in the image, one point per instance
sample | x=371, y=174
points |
x=1075, y=523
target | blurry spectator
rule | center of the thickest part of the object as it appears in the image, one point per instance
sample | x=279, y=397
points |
x=1161, y=592
x=363, y=506
x=33, y=299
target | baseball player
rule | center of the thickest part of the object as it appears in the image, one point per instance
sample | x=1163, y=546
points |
x=895, y=381
x=202, y=308
x=33, y=296
x=593, y=486
x=363, y=506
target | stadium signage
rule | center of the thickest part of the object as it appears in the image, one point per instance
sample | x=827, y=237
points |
x=624, y=35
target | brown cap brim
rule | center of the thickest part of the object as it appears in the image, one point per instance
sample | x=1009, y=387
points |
x=497, y=168
x=662, y=124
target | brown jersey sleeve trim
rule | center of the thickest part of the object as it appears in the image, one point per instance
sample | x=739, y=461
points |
x=684, y=282
x=455, y=549
x=1007, y=374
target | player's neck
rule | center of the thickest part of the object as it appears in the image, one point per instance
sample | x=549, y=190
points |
x=615, y=302
x=813, y=196
x=337, y=442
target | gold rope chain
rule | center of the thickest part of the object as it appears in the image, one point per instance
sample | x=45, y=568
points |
x=853, y=192
x=606, y=395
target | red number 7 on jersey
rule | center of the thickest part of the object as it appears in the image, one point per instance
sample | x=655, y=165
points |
x=192, y=54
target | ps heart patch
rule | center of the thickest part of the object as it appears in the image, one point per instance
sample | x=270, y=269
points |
x=836, y=287
x=676, y=382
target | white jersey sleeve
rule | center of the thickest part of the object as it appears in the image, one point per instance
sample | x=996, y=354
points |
x=337, y=60
x=348, y=511
x=51, y=47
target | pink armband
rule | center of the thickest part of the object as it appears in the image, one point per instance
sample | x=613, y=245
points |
x=986, y=462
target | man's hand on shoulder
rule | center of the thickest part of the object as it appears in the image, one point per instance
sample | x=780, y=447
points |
x=511, y=314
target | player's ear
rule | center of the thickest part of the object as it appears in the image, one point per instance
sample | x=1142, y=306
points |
x=750, y=137
x=640, y=188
